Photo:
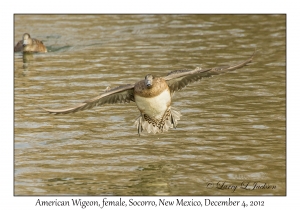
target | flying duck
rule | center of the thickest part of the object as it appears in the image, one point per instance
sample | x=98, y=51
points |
x=152, y=96
x=28, y=44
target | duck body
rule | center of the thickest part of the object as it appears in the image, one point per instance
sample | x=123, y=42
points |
x=28, y=44
x=153, y=99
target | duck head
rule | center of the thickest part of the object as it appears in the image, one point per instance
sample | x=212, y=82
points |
x=149, y=80
x=26, y=39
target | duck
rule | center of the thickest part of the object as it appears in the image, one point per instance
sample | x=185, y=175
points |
x=28, y=44
x=152, y=96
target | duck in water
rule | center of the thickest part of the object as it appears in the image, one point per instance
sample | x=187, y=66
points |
x=28, y=44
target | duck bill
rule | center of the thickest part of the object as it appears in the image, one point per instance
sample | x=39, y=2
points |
x=148, y=83
x=25, y=42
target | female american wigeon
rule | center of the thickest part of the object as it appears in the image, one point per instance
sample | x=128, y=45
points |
x=152, y=97
x=28, y=44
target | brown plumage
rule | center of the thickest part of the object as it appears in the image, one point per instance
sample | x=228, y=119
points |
x=152, y=96
x=28, y=44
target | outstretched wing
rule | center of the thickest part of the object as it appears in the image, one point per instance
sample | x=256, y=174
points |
x=179, y=79
x=121, y=94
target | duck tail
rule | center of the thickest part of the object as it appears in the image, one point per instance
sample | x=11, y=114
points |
x=169, y=120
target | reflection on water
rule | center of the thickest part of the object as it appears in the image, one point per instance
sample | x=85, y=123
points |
x=233, y=126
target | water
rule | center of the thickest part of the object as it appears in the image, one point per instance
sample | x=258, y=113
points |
x=233, y=128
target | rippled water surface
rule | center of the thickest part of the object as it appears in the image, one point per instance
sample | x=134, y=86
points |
x=233, y=128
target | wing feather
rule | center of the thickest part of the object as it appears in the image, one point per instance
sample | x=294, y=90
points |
x=121, y=94
x=179, y=79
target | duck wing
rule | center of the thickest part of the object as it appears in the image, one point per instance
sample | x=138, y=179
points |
x=179, y=79
x=19, y=46
x=121, y=94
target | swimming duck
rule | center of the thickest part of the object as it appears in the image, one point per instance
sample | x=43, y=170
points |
x=28, y=44
x=152, y=96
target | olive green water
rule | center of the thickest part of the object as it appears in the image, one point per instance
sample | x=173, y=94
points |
x=233, y=128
